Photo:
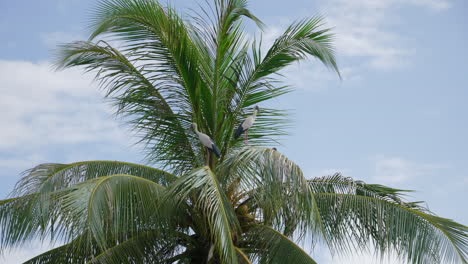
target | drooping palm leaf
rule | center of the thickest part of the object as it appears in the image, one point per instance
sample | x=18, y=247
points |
x=143, y=97
x=216, y=209
x=140, y=248
x=163, y=72
x=113, y=207
x=73, y=252
x=354, y=221
x=273, y=184
x=55, y=176
x=272, y=247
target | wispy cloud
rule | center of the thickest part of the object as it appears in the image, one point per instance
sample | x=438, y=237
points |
x=322, y=255
x=369, y=34
x=395, y=170
x=362, y=258
x=42, y=107
x=26, y=252
x=370, y=30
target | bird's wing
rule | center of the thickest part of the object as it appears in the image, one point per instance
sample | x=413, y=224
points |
x=206, y=140
x=239, y=130
x=215, y=150
x=248, y=122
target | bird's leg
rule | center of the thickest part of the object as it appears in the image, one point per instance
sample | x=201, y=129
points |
x=207, y=162
x=246, y=137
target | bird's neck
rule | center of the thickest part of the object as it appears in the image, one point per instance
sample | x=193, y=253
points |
x=196, y=130
x=255, y=114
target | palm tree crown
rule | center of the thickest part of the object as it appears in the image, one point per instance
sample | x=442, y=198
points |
x=249, y=205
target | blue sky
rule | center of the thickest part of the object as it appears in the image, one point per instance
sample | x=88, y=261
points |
x=398, y=117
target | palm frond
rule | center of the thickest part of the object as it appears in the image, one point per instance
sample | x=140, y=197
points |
x=273, y=184
x=337, y=183
x=50, y=177
x=110, y=208
x=243, y=258
x=272, y=247
x=210, y=199
x=141, y=248
x=257, y=83
x=301, y=39
x=113, y=208
x=140, y=95
x=73, y=252
x=353, y=221
x=223, y=34
x=25, y=218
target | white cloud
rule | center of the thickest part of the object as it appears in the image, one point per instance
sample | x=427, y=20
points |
x=393, y=170
x=362, y=258
x=322, y=254
x=369, y=34
x=362, y=29
x=24, y=253
x=41, y=107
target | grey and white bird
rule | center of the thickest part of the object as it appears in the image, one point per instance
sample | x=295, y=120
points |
x=207, y=141
x=246, y=125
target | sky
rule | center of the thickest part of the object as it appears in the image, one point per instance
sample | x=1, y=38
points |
x=398, y=116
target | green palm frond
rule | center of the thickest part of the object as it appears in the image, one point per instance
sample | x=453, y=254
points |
x=145, y=98
x=109, y=207
x=337, y=183
x=274, y=185
x=272, y=247
x=73, y=252
x=243, y=258
x=301, y=39
x=25, y=218
x=55, y=176
x=137, y=249
x=37, y=205
x=210, y=199
x=257, y=81
x=246, y=207
x=353, y=221
x=113, y=207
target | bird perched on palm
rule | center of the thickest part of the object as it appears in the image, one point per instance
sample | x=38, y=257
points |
x=246, y=125
x=207, y=142
x=253, y=204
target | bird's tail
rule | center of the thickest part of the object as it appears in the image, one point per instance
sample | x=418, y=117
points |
x=238, y=132
x=216, y=151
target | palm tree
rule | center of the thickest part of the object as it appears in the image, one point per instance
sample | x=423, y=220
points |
x=250, y=205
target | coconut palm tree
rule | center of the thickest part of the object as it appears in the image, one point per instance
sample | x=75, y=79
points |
x=249, y=206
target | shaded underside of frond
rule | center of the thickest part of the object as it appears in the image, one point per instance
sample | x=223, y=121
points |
x=50, y=177
x=147, y=247
x=218, y=222
x=272, y=187
x=270, y=246
x=163, y=72
x=143, y=93
x=353, y=222
x=108, y=208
